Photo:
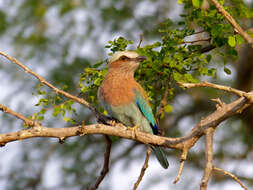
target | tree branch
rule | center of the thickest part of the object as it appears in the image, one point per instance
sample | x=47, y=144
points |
x=17, y=115
x=105, y=169
x=221, y=114
x=230, y=19
x=216, y=86
x=209, y=159
x=182, y=160
x=195, y=41
x=163, y=102
x=230, y=175
x=57, y=91
x=206, y=126
x=144, y=167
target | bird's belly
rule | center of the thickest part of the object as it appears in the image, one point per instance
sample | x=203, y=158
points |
x=130, y=116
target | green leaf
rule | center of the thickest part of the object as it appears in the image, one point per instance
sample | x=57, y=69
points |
x=168, y=108
x=227, y=70
x=56, y=111
x=239, y=39
x=179, y=1
x=231, y=41
x=208, y=58
x=197, y=3
x=66, y=119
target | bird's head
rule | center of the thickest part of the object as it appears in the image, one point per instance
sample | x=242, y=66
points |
x=125, y=61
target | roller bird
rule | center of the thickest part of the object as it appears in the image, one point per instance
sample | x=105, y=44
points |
x=125, y=100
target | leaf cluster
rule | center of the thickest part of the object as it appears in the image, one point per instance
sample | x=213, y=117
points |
x=169, y=60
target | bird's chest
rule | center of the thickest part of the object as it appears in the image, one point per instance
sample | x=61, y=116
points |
x=117, y=92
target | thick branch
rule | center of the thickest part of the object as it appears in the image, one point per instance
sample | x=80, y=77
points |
x=236, y=26
x=224, y=112
x=63, y=133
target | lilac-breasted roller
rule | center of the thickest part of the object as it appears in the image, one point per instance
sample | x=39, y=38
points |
x=125, y=100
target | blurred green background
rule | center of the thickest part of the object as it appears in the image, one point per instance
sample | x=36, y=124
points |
x=58, y=39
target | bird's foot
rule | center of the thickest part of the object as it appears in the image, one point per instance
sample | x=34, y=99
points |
x=134, y=129
x=112, y=122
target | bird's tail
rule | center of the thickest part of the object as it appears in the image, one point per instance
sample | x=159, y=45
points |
x=161, y=157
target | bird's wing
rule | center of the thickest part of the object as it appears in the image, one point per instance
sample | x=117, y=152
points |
x=144, y=107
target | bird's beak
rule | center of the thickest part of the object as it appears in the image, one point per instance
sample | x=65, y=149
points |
x=141, y=58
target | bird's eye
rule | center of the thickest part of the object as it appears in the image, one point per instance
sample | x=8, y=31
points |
x=123, y=58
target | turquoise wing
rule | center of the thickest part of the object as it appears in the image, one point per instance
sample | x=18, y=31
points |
x=145, y=110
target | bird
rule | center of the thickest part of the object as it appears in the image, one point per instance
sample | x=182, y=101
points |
x=125, y=100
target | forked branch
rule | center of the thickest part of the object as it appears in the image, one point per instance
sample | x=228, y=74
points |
x=205, y=127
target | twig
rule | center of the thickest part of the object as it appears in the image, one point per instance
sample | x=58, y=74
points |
x=236, y=26
x=163, y=102
x=42, y=80
x=141, y=38
x=144, y=167
x=182, y=160
x=230, y=175
x=105, y=169
x=194, y=41
x=248, y=95
x=209, y=159
x=207, y=48
x=17, y=115
x=216, y=86
x=198, y=32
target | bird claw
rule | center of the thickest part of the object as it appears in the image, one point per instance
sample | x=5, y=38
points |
x=134, y=129
x=112, y=122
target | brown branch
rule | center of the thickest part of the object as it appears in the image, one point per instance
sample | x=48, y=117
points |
x=57, y=91
x=248, y=95
x=224, y=112
x=80, y=130
x=216, y=86
x=230, y=175
x=163, y=102
x=209, y=159
x=141, y=38
x=207, y=48
x=144, y=167
x=236, y=26
x=105, y=169
x=195, y=41
x=182, y=160
x=198, y=32
x=17, y=115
